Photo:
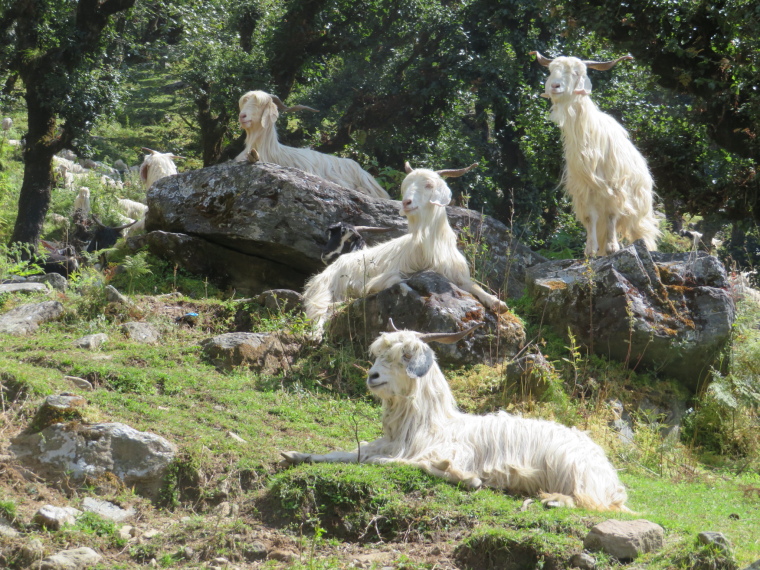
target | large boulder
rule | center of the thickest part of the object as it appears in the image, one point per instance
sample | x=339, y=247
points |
x=26, y=319
x=78, y=451
x=666, y=312
x=428, y=302
x=262, y=226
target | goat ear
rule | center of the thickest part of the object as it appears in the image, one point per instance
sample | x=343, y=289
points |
x=420, y=362
x=583, y=86
x=441, y=195
x=269, y=116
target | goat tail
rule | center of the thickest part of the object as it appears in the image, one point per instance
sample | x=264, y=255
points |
x=646, y=228
x=318, y=298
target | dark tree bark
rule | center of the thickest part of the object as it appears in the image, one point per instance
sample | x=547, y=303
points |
x=44, y=138
x=213, y=130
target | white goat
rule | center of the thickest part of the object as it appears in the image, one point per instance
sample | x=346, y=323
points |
x=258, y=114
x=156, y=165
x=7, y=124
x=606, y=177
x=431, y=244
x=423, y=427
x=132, y=209
x=82, y=202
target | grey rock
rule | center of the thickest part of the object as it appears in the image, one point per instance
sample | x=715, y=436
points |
x=583, y=560
x=254, y=551
x=33, y=551
x=528, y=375
x=55, y=280
x=144, y=333
x=54, y=518
x=80, y=383
x=754, y=566
x=6, y=529
x=91, y=341
x=625, y=540
x=107, y=510
x=120, y=165
x=26, y=319
x=139, y=459
x=113, y=295
x=23, y=288
x=669, y=312
x=264, y=352
x=716, y=539
x=428, y=302
x=74, y=559
x=281, y=300
x=275, y=218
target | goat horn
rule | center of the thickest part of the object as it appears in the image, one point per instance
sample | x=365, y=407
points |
x=391, y=326
x=408, y=167
x=371, y=229
x=150, y=150
x=447, y=338
x=119, y=228
x=545, y=61
x=605, y=65
x=97, y=221
x=281, y=106
x=455, y=173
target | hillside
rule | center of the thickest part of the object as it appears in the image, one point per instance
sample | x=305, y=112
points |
x=228, y=503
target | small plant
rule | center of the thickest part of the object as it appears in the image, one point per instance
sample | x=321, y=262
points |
x=136, y=266
x=8, y=511
x=17, y=259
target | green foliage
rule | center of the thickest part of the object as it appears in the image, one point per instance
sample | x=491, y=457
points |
x=8, y=510
x=92, y=524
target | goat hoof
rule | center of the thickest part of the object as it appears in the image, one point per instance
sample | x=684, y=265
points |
x=293, y=458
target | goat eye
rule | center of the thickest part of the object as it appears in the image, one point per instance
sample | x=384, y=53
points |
x=407, y=356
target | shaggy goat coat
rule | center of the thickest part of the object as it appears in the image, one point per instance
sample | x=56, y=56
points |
x=156, y=165
x=605, y=176
x=431, y=244
x=258, y=114
x=422, y=426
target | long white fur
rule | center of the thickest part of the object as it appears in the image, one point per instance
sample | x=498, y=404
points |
x=132, y=209
x=82, y=202
x=156, y=165
x=258, y=114
x=422, y=426
x=606, y=177
x=431, y=244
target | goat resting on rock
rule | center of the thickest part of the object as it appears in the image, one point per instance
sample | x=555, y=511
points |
x=606, y=177
x=258, y=114
x=431, y=244
x=423, y=427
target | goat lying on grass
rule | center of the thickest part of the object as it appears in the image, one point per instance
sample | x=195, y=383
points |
x=422, y=426
x=430, y=244
x=606, y=177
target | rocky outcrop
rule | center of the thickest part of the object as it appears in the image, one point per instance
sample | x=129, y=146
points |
x=26, y=319
x=428, y=302
x=268, y=353
x=671, y=313
x=77, y=451
x=261, y=226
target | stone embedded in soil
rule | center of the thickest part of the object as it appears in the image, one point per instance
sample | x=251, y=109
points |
x=54, y=518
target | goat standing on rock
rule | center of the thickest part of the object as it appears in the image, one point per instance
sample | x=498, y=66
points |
x=431, y=244
x=258, y=114
x=606, y=177
x=423, y=427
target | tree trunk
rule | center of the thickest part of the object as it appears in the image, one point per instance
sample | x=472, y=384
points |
x=213, y=130
x=41, y=145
